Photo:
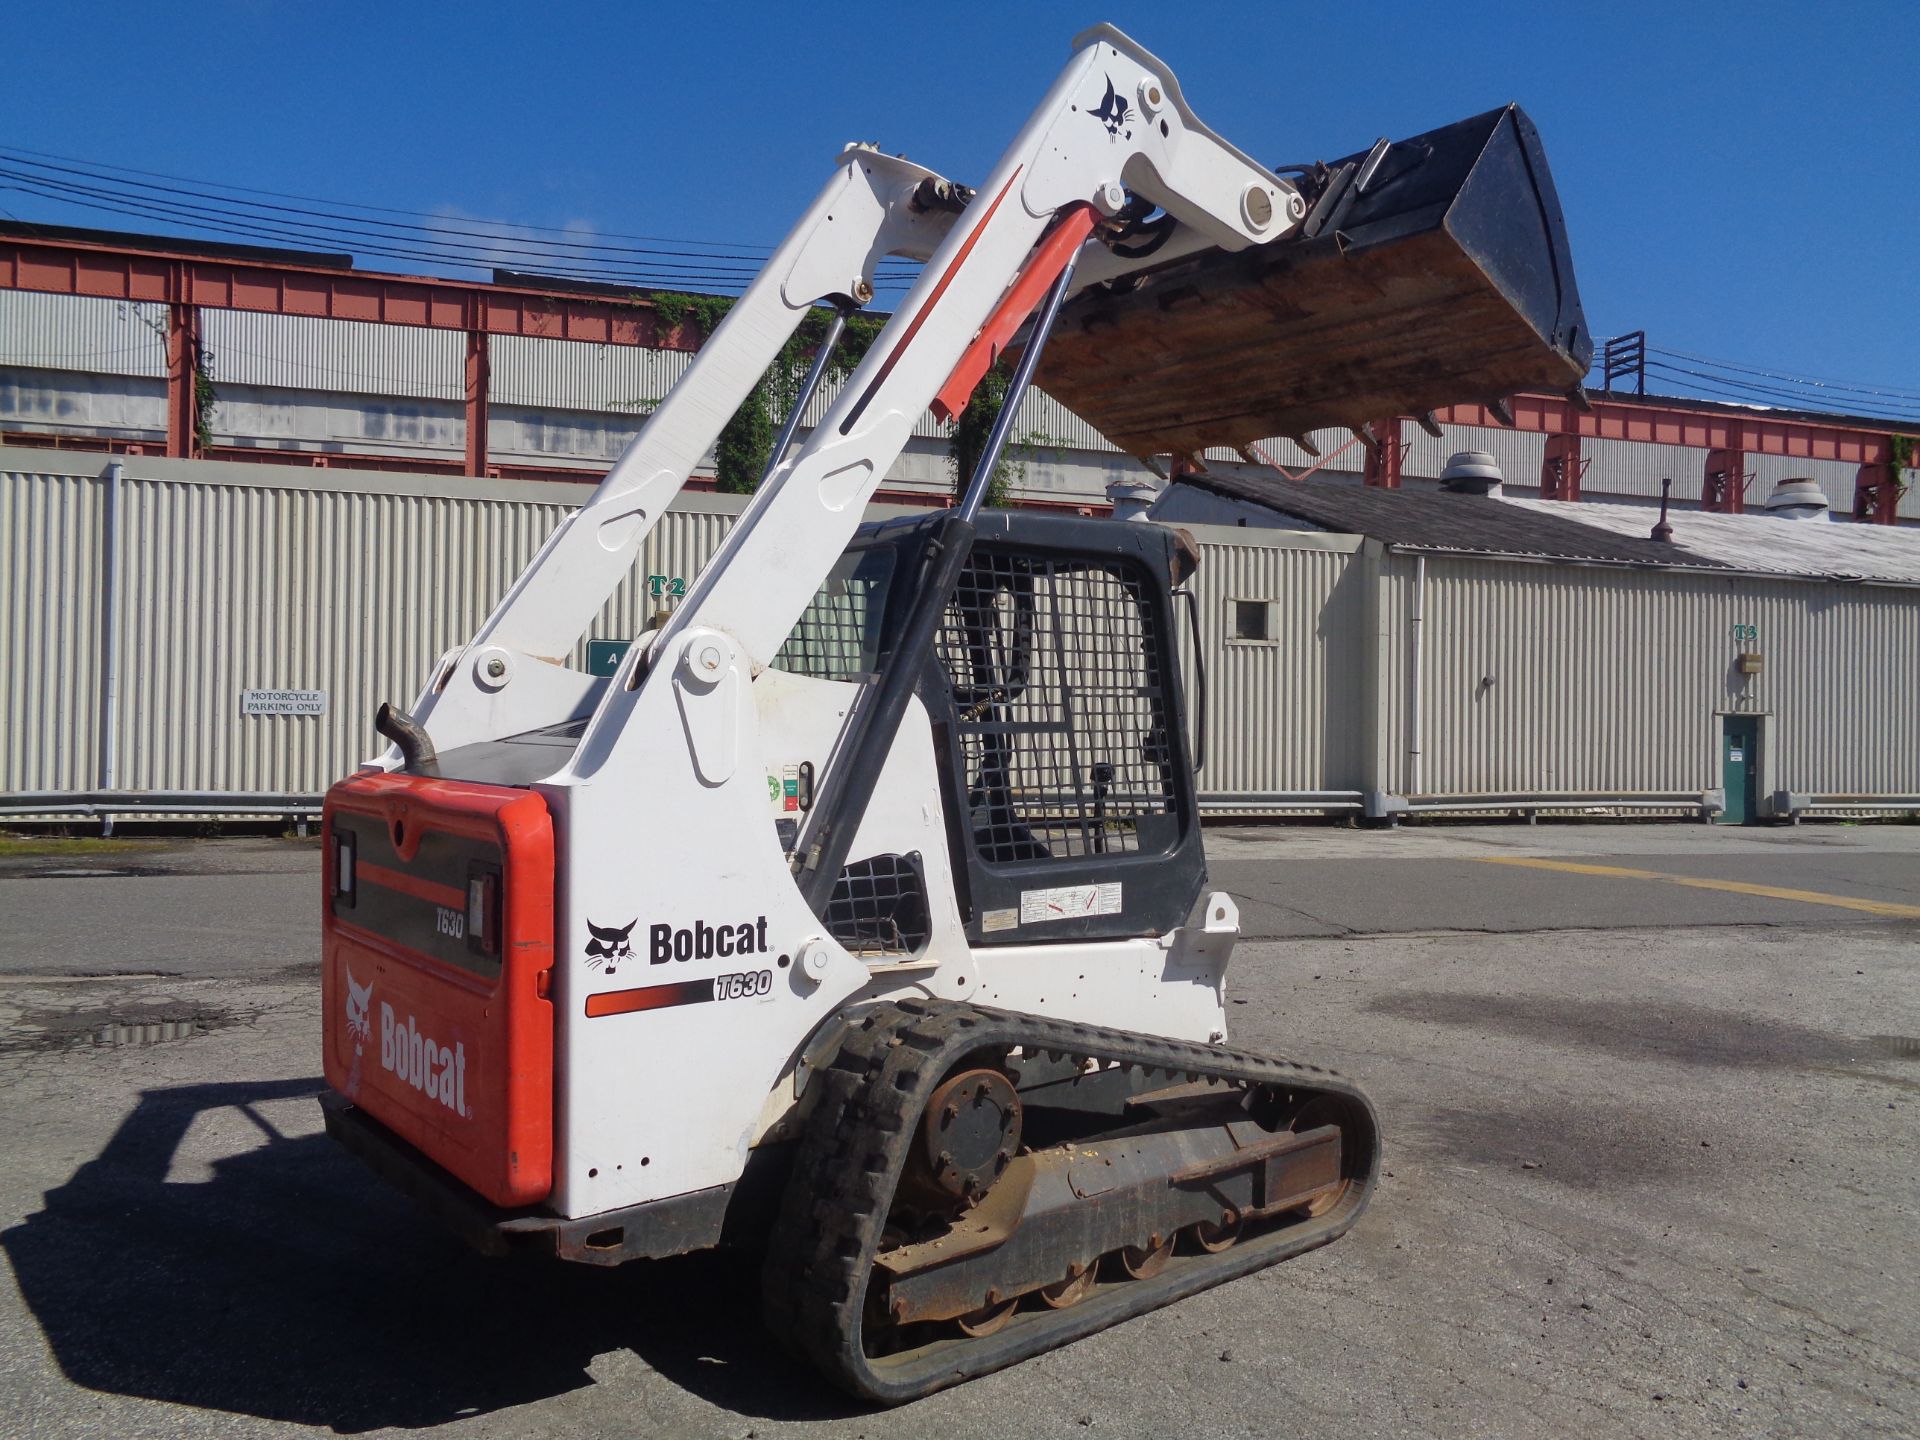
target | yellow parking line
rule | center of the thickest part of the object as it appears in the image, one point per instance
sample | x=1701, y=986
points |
x=1738, y=887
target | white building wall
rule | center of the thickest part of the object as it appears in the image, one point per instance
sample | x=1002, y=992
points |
x=1541, y=678
x=1283, y=714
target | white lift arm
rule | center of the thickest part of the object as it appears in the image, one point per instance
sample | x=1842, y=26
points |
x=1114, y=122
x=870, y=209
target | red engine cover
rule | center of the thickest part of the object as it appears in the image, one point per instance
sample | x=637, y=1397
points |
x=438, y=954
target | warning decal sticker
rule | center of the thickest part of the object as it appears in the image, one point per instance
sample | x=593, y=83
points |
x=1069, y=902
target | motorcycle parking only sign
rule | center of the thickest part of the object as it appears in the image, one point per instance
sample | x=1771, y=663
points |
x=283, y=702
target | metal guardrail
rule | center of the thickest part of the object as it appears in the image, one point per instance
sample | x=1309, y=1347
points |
x=1240, y=802
x=104, y=805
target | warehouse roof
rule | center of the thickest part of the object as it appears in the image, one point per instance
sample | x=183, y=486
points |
x=1469, y=524
x=1888, y=553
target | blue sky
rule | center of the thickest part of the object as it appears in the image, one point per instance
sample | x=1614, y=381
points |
x=1740, y=181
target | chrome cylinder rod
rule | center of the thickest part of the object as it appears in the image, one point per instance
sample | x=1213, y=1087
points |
x=976, y=492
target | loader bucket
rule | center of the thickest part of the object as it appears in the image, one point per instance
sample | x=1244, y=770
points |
x=1427, y=273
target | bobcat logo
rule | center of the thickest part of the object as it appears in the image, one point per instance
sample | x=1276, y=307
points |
x=359, y=1011
x=609, y=944
x=1113, y=110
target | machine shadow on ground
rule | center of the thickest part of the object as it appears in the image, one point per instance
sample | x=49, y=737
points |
x=291, y=1286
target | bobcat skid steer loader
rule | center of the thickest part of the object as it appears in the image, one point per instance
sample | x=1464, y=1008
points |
x=862, y=914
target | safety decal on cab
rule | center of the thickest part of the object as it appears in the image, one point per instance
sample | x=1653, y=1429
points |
x=783, y=790
x=1069, y=902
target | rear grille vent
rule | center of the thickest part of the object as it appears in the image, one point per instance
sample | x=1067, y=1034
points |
x=879, y=906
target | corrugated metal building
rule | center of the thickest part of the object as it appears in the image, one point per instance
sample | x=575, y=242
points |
x=1376, y=655
x=1544, y=656
x=95, y=369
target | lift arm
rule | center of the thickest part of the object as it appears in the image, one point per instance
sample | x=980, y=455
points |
x=1114, y=126
x=1114, y=122
x=511, y=676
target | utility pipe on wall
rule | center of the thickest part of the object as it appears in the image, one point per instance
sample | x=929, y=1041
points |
x=109, y=749
x=1415, y=636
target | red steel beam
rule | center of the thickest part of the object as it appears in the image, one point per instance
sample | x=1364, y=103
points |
x=1876, y=494
x=1562, y=467
x=1386, y=449
x=108, y=272
x=183, y=376
x=183, y=279
x=1676, y=425
x=1723, y=487
x=479, y=368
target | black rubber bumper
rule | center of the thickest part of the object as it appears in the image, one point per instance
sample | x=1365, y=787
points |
x=673, y=1226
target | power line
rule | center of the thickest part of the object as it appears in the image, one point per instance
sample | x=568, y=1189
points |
x=1775, y=388
x=1766, y=396
x=1897, y=391
x=220, y=221
x=354, y=204
x=251, y=231
x=313, y=233
x=1762, y=393
x=513, y=236
x=468, y=246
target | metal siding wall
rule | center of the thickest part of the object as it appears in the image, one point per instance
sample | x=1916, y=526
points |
x=567, y=375
x=252, y=587
x=1609, y=681
x=50, y=632
x=73, y=332
x=1518, y=452
x=1836, y=481
x=1394, y=619
x=570, y=375
x=233, y=587
x=60, y=402
x=1601, y=680
x=1283, y=715
x=679, y=547
x=303, y=352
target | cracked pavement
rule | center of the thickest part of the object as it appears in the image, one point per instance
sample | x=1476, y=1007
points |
x=1650, y=1160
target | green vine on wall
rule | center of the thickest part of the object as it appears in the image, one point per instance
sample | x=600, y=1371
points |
x=205, y=397
x=746, y=441
x=1903, y=449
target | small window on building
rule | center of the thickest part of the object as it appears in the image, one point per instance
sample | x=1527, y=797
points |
x=1253, y=619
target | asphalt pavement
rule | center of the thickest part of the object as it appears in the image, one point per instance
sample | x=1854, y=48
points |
x=1650, y=1171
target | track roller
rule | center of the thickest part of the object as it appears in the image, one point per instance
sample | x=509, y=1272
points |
x=944, y=1218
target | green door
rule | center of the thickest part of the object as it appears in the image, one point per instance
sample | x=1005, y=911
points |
x=1740, y=768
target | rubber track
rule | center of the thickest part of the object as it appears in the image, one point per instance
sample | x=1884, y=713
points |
x=848, y=1162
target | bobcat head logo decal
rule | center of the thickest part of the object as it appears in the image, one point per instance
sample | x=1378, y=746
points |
x=1113, y=110
x=359, y=1011
x=609, y=944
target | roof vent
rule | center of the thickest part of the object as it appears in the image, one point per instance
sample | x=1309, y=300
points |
x=1472, y=472
x=1130, y=498
x=1798, y=499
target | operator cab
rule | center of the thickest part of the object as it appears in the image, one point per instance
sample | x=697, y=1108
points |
x=1058, y=713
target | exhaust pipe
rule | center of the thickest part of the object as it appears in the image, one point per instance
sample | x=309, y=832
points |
x=415, y=746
